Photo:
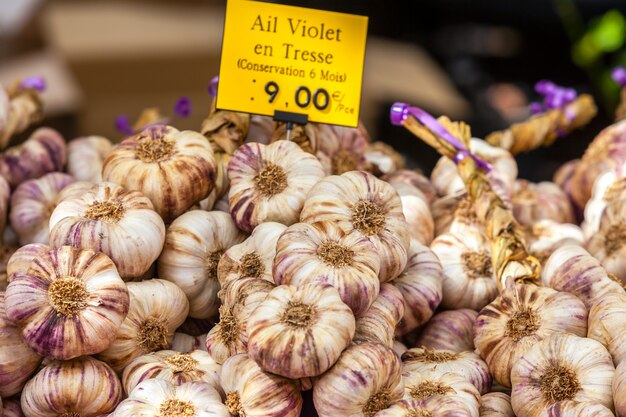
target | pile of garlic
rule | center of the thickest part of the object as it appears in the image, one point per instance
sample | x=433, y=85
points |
x=234, y=273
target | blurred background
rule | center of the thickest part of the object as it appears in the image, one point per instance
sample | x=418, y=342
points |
x=475, y=61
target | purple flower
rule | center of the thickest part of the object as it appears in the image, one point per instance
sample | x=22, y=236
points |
x=213, y=86
x=182, y=107
x=536, y=107
x=34, y=82
x=122, y=124
x=619, y=76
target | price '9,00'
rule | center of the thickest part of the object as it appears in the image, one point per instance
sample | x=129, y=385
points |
x=303, y=96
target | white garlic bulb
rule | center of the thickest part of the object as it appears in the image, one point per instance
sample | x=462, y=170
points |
x=496, y=404
x=378, y=323
x=260, y=130
x=607, y=324
x=607, y=244
x=449, y=330
x=563, y=177
x=444, y=211
x=186, y=343
x=358, y=201
x=341, y=149
x=519, y=318
x=11, y=407
x=383, y=159
x=430, y=407
x=415, y=179
x=399, y=348
x=251, y=392
x=75, y=190
x=85, y=157
x=268, y=183
x=577, y=409
x=110, y=219
x=545, y=236
x=194, y=244
x=545, y=200
x=365, y=380
x=21, y=259
x=561, y=367
x=608, y=187
x=5, y=199
x=160, y=398
x=416, y=212
x=157, y=308
x=324, y=253
x=619, y=390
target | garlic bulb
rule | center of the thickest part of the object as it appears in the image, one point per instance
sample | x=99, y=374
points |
x=298, y=333
x=378, y=323
x=251, y=392
x=186, y=343
x=85, y=157
x=5, y=254
x=571, y=269
x=449, y=330
x=467, y=364
x=244, y=291
x=358, y=201
x=468, y=277
x=17, y=360
x=383, y=159
x=399, y=348
x=341, y=149
x=174, y=367
x=561, y=367
x=324, y=253
x=415, y=179
x=21, y=260
x=43, y=152
x=607, y=244
x=5, y=198
x=434, y=384
x=110, y=219
x=545, y=236
x=416, y=212
x=268, y=183
x=305, y=136
x=421, y=287
x=448, y=208
x=607, y=188
x=72, y=388
x=32, y=203
x=365, y=380
x=173, y=169
x=159, y=398
x=576, y=409
x=619, y=390
x=544, y=200
x=225, y=130
x=157, y=308
x=194, y=244
x=11, y=407
x=69, y=303
x=519, y=318
x=261, y=129
x=607, y=324
x=496, y=404
x=75, y=190
x=431, y=407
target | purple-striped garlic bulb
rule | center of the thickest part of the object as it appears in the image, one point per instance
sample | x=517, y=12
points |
x=577, y=409
x=383, y=159
x=252, y=392
x=85, y=157
x=545, y=200
x=416, y=212
x=607, y=188
x=415, y=179
x=369, y=372
x=607, y=324
x=44, y=151
x=519, y=318
x=261, y=129
x=449, y=330
x=421, y=287
x=161, y=398
x=445, y=210
x=359, y=202
x=186, y=343
x=496, y=404
x=253, y=257
x=572, y=269
x=17, y=361
x=5, y=198
x=563, y=177
x=157, y=308
x=269, y=183
x=608, y=244
x=75, y=190
x=378, y=323
x=561, y=367
x=110, y=219
x=174, y=367
x=11, y=407
x=6, y=252
x=194, y=244
x=468, y=277
x=32, y=204
x=70, y=302
x=299, y=332
x=324, y=253
x=546, y=236
x=399, y=348
x=82, y=387
x=173, y=169
x=341, y=149
x=619, y=390
x=430, y=407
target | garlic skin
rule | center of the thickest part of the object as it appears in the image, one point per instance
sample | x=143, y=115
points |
x=325, y=254
x=421, y=287
x=545, y=200
x=75, y=190
x=194, y=244
x=185, y=343
x=160, y=398
x=561, y=367
x=32, y=204
x=174, y=169
x=545, y=236
x=269, y=183
x=44, y=151
x=260, y=130
x=341, y=149
x=383, y=159
x=619, y=390
x=608, y=187
x=467, y=364
x=468, y=277
x=357, y=201
x=444, y=211
x=607, y=324
x=85, y=157
x=496, y=404
x=449, y=330
x=110, y=219
x=21, y=260
x=251, y=392
x=365, y=380
x=519, y=318
x=607, y=245
x=71, y=388
x=416, y=212
x=174, y=367
x=576, y=409
x=253, y=257
x=399, y=348
x=17, y=361
x=563, y=177
x=5, y=254
x=11, y=407
x=415, y=179
x=431, y=407
x=69, y=303
x=157, y=308
x=378, y=324
x=5, y=198
x=572, y=269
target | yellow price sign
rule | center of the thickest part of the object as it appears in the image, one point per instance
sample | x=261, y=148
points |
x=292, y=59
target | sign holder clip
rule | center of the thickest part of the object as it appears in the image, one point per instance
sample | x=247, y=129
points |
x=289, y=118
